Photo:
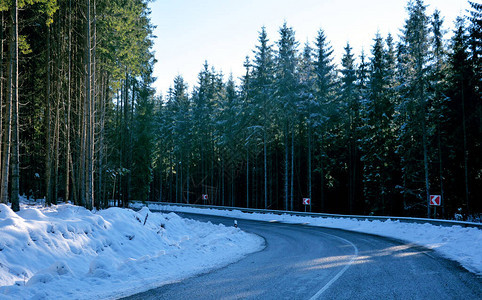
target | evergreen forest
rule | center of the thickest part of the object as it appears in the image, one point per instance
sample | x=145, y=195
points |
x=375, y=133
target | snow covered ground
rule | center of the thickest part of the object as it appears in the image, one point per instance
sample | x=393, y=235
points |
x=68, y=252
x=457, y=243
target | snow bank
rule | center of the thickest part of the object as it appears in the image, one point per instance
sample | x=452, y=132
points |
x=456, y=243
x=68, y=252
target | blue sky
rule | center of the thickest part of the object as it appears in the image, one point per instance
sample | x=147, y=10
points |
x=223, y=32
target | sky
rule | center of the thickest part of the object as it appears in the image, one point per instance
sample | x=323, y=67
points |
x=224, y=32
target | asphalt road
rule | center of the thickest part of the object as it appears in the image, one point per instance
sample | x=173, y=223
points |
x=303, y=262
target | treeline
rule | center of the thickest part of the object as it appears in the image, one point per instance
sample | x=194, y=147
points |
x=375, y=134
x=75, y=82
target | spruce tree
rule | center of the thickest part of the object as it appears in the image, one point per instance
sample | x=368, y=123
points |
x=262, y=91
x=286, y=93
x=324, y=93
x=416, y=41
x=350, y=106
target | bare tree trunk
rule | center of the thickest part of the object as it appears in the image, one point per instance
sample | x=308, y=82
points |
x=68, y=108
x=439, y=142
x=170, y=176
x=425, y=162
x=160, y=180
x=265, y=169
x=292, y=167
x=103, y=99
x=466, y=152
x=93, y=101
x=59, y=69
x=222, y=182
x=309, y=163
x=177, y=181
x=89, y=99
x=15, y=114
x=187, y=179
x=322, y=182
x=233, y=187
x=425, y=148
x=7, y=138
x=48, y=118
x=286, y=166
x=1, y=91
x=247, y=177
x=56, y=147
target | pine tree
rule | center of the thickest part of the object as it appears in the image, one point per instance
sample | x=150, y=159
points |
x=415, y=38
x=143, y=140
x=349, y=101
x=460, y=93
x=308, y=106
x=439, y=100
x=325, y=105
x=262, y=90
x=286, y=92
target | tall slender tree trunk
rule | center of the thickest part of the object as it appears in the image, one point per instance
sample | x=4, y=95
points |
x=89, y=100
x=56, y=144
x=102, y=102
x=48, y=120
x=68, y=106
x=93, y=119
x=177, y=181
x=292, y=167
x=247, y=177
x=466, y=152
x=160, y=180
x=15, y=114
x=322, y=175
x=222, y=182
x=286, y=183
x=56, y=147
x=170, y=176
x=213, y=153
x=187, y=179
x=309, y=163
x=233, y=188
x=1, y=92
x=439, y=144
x=7, y=139
x=265, y=170
x=425, y=150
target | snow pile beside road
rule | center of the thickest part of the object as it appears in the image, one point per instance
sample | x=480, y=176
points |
x=457, y=243
x=68, y=252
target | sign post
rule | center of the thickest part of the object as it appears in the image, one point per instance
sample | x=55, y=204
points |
x=306, y=202
x=435, y=200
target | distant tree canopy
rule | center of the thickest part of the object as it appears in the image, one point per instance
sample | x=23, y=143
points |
x=375, y=133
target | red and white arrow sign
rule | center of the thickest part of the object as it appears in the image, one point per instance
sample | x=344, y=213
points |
x=306, y=201
x=205, y=196
x=435, y=200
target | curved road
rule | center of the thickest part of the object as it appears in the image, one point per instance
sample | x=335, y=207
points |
x=303, y=262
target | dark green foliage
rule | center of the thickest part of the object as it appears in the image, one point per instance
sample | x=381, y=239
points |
x=57, y=119
x=375, y=134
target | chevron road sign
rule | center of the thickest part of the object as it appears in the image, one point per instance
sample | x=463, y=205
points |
x=435, y=200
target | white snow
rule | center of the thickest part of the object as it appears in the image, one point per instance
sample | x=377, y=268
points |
x=68, y=252
x=461, y=244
